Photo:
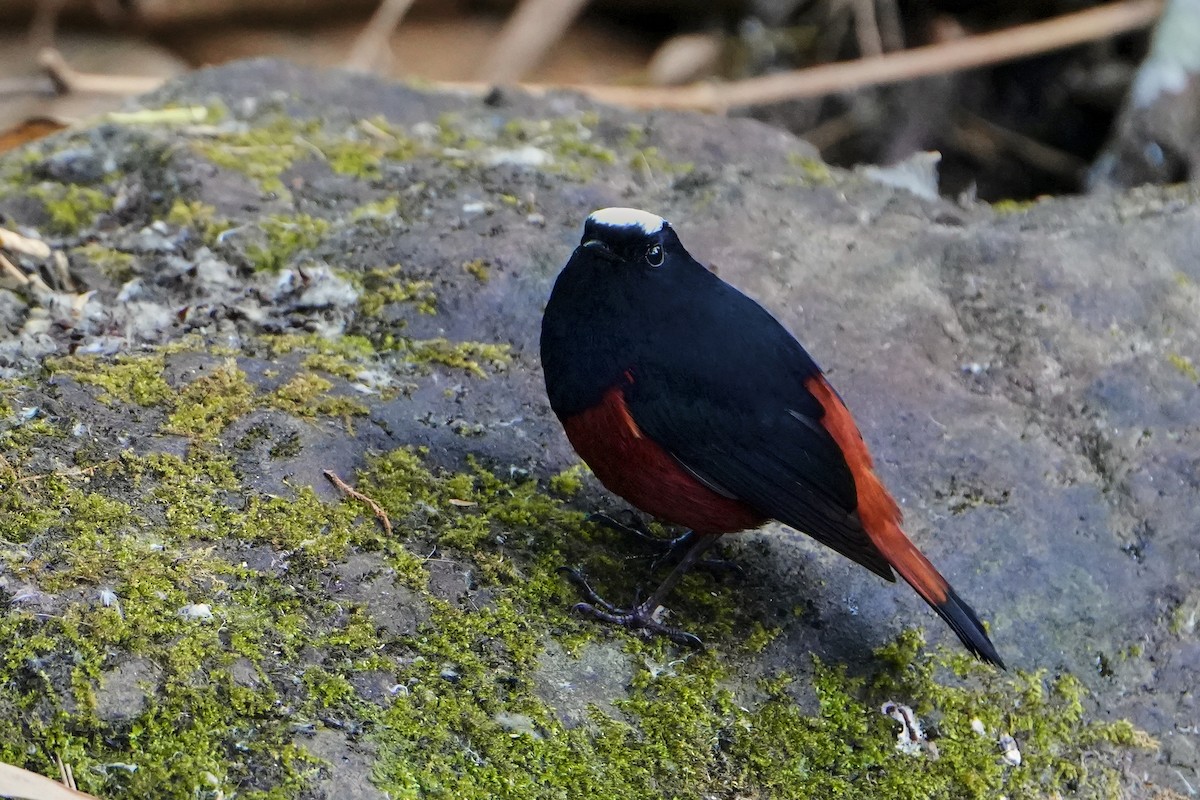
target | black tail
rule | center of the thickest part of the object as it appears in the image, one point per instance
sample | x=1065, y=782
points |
x=968, y=627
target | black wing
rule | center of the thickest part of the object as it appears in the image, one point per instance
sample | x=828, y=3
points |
x=734, y=409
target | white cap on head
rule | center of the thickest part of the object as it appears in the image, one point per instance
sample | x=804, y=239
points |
x=629, y=217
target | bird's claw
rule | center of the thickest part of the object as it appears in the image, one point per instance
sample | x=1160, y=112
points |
x=593, y=599
x=640, y=618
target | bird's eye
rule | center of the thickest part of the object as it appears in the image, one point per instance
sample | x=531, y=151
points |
x=654, y=256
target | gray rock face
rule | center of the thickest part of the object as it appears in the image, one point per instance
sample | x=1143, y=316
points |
x=1027, y=381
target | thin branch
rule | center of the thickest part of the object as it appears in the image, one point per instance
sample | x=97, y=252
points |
x=65, y=774
x=44, y=25
x=866, y=29
x=1033, y=152
x=17, y=782
x=72, y=472
x=1020, y=41
x=11, y=240
x=530, y=31
x=837, y=128
x=891, y=29
x=68, y=80
x=10, y=269
x=350, y=491
x=31, y=84
x=372, y=44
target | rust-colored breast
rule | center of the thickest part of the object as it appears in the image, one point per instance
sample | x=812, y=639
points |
x=633, y=466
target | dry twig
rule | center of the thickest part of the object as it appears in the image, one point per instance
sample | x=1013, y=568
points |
x=11, y=240
x=44, y=24
x=73, y=472
x=68, y=80
x=969, y=52
x=530, y=31
x=10, y=269
x=985, y=138
x=866, y=29
x=26, y=84
x=371, y=47
x=891, y=28
x=17, y=782
x=65, y=773
x=350, y=491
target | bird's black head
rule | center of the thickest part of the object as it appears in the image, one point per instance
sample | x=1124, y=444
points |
x=629, y=287
x=627, y=236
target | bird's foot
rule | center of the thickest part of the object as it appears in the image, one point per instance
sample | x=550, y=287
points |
x=641, y=617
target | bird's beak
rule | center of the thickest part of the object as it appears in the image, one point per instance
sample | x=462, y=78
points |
x=599, y=248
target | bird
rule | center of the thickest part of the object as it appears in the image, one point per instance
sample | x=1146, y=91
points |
x=689, y=400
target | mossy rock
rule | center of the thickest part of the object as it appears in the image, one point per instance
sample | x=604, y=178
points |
x=338, y=274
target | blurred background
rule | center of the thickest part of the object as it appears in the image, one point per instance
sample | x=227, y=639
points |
x=1017, y=129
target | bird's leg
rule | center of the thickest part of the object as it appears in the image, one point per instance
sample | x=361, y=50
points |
x=593, y=598
x=645, y=615
x=636, y=529
x=670, y=548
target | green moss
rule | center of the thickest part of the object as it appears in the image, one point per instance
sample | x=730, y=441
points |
x=289, y=447
x=306, y=395
x=263, y=651
x=200, y=217
x=386, y=208
x=353, y=158
x=571, y=141
x=397, y=145
x=1184, y=366
x=69, y=206
x=815, y=171
x=197, y=732
x=210, y=403
x=253, y=437
x=21, y=431
x=262, y=152
x=383, y=287
x=333, y=365
x=1186, y=615
x=115, y=265
x=569, y=482
x=760, y=636
x=469, y=356
x=1005, y=207
x=450, y=134
x=203, y=408
x=350, y=348
x=478, y=269
x=650, y=160
x=136, y=379
x=299, y=395
x=285, y=237
x=15, y=170
x=270, y=147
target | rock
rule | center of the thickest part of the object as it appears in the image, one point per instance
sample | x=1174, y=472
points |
x=1027, y=381
x=1154, y=138
x=123, y=691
